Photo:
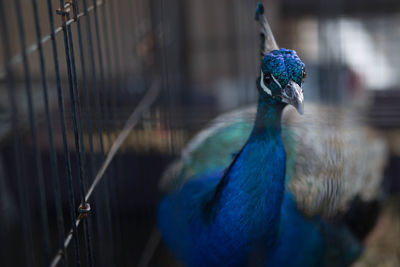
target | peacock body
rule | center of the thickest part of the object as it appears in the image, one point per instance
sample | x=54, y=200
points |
x=236, y=198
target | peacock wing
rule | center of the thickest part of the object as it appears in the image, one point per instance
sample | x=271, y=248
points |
x=331, y=160
x=211, y=149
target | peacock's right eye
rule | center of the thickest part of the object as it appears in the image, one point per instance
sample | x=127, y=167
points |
x=267, y=78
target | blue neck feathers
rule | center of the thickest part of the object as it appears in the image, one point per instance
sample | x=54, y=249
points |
x=250, y=194
x=268, y=118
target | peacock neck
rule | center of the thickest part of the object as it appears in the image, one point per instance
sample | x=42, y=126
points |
x=268, y=118
x=252, y=193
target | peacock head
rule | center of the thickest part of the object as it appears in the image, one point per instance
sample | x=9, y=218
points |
x=282, y=77
x=282, y=71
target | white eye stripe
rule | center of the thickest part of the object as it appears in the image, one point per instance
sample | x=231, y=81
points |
x=276, y=81
x=263, y=86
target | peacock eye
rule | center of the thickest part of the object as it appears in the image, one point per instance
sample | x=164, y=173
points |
x=304, y=75
x=267, y=78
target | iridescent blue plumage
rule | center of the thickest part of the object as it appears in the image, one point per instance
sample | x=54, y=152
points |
x=245, y=202
x=232, y=218
x=284, y=64
x=244, y=215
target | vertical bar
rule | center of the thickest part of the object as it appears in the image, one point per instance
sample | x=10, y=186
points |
x=121, y=70
x=97, y=115
x=117, y=62
x=70, y=84
x=125, y=68
x=75, y=109
x=35, y=145
x=77, y=129
x=87, y=114
x=165, y=74
x=111, y=183
x=53, y=159
x=101, y=68
x=88, y=119
x=124, y=61
x=83, y=183
x=94, y=78
x=106, y=111
x=26, y=230
x=71, y=200
x=100, y=224
x=106, y=115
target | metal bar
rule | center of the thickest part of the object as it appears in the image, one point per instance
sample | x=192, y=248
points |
x=71, y=200
x=107, y=118
x=111, y=119
x=103, y=127
x=146, y=102
x=123, y=41
x=87, y=115
x=77, y=129
x=53, y=159
x=74, y=100
x=115, y=97
x=78, y=115
x=116, y=57
x=93, y=74
x=63, y=14
x=34, y=47
x=35, y=144
x=117, y=60
x=27, y=233
x=100, y=65
x=97, y=108
x=100, y=223
x=155, y=237
x=88, y=226
x=165, y=75
x=126, y=68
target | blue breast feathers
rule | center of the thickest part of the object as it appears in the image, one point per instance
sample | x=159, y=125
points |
x=222, y=218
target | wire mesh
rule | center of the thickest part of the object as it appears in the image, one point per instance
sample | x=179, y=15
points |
x=83, y=74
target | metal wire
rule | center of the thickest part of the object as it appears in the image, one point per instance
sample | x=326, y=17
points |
x=103, y=127
x=150, y=247
x=33, y=132
x=146, y=102
x=19, y=162
x=119, y=79
x=92, y=67
x=63, y=14
x=77, y=126
x=109, y=118
x=53, y=160
x=71, y=200
x=34, y=47
x=88, y=226
x=107, y=79
x=102, y=228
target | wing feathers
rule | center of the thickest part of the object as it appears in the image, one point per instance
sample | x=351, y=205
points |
x=330, y=158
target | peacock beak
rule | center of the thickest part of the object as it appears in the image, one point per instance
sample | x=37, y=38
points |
x=292, y=94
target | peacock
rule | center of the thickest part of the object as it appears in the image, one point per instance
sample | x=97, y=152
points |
x=264, y=186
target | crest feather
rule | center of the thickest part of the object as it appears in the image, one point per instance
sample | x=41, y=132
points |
x=267, y=38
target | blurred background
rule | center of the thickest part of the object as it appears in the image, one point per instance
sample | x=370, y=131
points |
x=74, y=75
